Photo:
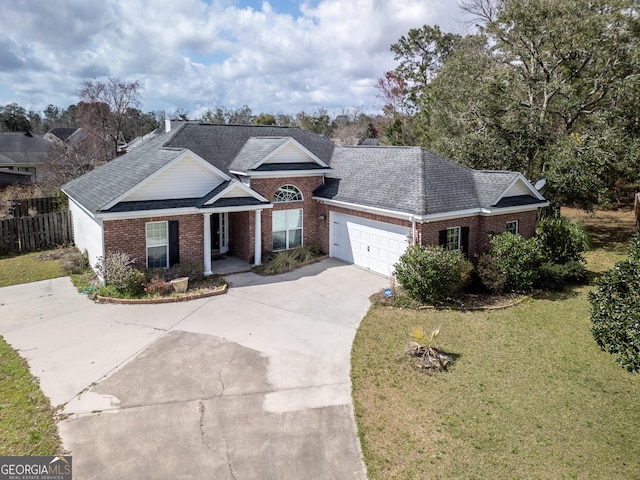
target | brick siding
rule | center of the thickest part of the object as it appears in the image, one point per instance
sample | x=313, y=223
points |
x=130, y=236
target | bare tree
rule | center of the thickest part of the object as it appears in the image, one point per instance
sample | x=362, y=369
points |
x=103, y=110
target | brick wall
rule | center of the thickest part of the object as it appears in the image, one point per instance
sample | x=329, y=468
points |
x=241, y=234
x=129, y=236
x=310, y=208
x=479, y=228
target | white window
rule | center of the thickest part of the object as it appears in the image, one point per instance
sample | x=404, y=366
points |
x=287, y=193
x=453, y=238
x=286, y=229
x=512, y=227
x=157, y=245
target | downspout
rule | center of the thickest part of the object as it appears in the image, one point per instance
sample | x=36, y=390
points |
x=413, y=230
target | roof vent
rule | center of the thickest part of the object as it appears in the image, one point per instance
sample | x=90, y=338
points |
x=167, y=125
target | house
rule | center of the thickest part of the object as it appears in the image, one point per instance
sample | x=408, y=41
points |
x=22, y=152
x=197, y=191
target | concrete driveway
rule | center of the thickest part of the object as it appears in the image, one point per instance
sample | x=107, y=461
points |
x=251, y=384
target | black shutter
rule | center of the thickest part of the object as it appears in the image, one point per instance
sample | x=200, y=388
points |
x=464, y=240
x=174, y=243
x=442, y=238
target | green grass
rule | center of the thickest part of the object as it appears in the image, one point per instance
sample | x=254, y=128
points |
x=529, y=395
x=27, y=268
x=27, y=422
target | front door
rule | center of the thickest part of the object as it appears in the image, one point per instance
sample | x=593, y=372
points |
x=219, y=233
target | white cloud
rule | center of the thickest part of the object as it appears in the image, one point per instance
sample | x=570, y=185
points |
x=195, y=54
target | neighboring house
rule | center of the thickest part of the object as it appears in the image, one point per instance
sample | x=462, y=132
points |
x=22, y=152
x=12, y=177
x=66, y=135
x=200, y=190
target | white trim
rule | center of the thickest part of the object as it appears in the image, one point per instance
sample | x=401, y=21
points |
x=446, y=240
x=506, y=226
x=88, y=212
x=289, y=141
x=166, y=245
x=177, y=211
x=149, y=178
x=362, y=208
x=283, y=173
x=236, y=183
x=485, y=212
x=288, y=201
x=526, y=182
x=257, y=238
x=207, y=243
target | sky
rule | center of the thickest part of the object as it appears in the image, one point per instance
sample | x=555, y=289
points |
x=276, y=56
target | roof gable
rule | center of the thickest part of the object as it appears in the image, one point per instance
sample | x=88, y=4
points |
x=186, y=176
x=235, y=189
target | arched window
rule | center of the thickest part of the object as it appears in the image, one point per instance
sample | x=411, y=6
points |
x=287, y=193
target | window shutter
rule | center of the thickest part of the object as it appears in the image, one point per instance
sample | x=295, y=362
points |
x=442, y=238
x=464, y=240
x=174, y=243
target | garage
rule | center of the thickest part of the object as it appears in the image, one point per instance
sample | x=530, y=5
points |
x=373, y=245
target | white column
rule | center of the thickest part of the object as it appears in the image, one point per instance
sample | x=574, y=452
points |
x=207, y=244
x=257, y=254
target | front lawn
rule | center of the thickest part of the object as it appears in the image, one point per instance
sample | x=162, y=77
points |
x=27, y=268
x=27, y=421
x=529, y=394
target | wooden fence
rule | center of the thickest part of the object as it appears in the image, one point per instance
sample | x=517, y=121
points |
x=27, y=234
x=38, y=206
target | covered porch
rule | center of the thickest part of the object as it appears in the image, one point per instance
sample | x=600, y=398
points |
x=232, y=239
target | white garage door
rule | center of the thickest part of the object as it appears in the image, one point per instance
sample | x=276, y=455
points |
x=373, y=245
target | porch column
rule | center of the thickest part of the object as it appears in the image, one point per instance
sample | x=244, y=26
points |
x=207, y=244
x=257, y=254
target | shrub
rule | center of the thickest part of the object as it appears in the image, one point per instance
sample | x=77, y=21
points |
x=75, y=262
x=116, y=270
x=564, y=240
x=157, y=285
x=314, y=249
x=615, y=310
x=282, y=262
x=431, y=274
x=519, y=259
x=489, y=274
x=302, y=254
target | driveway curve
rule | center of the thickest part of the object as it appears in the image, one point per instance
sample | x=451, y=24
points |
x=253, y=384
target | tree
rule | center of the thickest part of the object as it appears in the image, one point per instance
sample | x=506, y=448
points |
x=13, y=118
x=103, y=111
x=537, y=73
x=266, y=119
x=615, y=310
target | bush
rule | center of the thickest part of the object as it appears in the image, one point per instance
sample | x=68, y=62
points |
x=282, y=262
x=615, y=310
x=75, y=262
x=157, y=285
x=117, y=272
x=564, y=241
x=431, y=274
x=554, y=276
x=519, y=259
x=490, y=275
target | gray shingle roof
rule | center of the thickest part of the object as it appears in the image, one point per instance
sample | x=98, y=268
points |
x=405, y=179
x=409, y=179
x=97, y=188
x=18, y=148
x=221, y=145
